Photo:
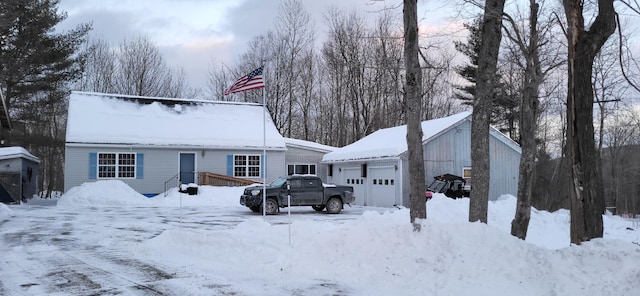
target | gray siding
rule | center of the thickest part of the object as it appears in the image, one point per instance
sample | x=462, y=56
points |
x=13, y=165
x=450, y=152
x=161, y=165
x=505, y=163
x=296, y=155
x=19, y=168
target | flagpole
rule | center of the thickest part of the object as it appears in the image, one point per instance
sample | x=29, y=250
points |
x=264, y=148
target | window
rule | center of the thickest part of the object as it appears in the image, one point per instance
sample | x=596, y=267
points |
x=301, y=169
x=466, y=173
x=116, y=165
x=246, y=165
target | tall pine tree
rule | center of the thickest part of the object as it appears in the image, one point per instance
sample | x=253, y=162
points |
x=33, y=58
x=36, y=65
x=505, y=106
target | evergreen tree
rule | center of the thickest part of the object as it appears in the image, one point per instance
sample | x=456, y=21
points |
x=36, y=66
x=505, y=104
x=33, y=58
x=471, y=48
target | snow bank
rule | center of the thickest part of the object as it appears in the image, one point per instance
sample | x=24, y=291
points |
x=105, y=193
x=380, y=254
x=5, y=211
x=115, y=193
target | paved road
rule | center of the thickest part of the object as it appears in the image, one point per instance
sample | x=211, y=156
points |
x=47, y=250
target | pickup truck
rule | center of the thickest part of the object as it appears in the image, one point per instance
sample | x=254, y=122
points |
x=304, y=190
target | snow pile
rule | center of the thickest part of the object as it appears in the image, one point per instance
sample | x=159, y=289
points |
x=376, y=252
x=5, y=211
x=380, y=254
x=104, y=193
x=115, y=193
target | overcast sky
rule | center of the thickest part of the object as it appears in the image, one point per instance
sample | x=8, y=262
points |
x=193, y=33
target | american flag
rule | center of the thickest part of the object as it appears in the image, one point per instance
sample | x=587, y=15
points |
x=250, y=81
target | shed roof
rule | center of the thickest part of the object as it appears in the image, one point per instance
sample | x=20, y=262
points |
x=96, y=118
x=17, y=152
x=391, y=142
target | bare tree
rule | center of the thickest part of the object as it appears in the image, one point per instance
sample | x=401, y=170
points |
x=135, y=68
x=587, y=196
x=413, y=103
x=482, y=102
x=533, y=77
x=99, y=67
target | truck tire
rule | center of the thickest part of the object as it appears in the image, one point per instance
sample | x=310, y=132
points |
x=334, y=205
x=256, y=209
x=272, y=207
x=318, y=208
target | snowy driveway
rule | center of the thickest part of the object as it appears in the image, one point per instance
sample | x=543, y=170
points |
x=49, y=250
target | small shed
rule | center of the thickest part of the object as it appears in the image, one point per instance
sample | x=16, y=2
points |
x=18, y=174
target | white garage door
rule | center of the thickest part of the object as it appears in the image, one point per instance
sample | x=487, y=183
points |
x=352, y=177
x=381, y=186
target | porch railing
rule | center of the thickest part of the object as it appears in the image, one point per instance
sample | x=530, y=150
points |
x=212, y=179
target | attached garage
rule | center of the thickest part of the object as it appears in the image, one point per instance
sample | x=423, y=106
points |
x=377, y=165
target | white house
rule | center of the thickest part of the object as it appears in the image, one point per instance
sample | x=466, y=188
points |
x=147, y=142
x=377, y=166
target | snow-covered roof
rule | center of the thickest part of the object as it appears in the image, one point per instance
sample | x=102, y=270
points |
x=308, y=145
x=15, y=152
x=391, y=142
x=96, y=118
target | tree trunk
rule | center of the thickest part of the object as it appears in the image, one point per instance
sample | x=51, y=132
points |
x=482, y=103
x=587, y=195
x=413, y=103
x=528, y=117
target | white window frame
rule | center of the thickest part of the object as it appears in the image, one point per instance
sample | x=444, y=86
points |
x=117, y=168
x=248, y=165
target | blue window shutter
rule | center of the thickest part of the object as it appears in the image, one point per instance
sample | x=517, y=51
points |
x=93, y=165
x=230, y=165
x=139, y=166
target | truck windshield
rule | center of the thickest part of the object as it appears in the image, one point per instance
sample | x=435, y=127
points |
x=278, y=182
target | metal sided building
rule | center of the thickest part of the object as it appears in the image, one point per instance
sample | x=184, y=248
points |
x=377, y=165
x=151, y=142
x=18, y=175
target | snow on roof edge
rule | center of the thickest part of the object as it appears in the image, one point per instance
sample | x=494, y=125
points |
x=308, y=145
x=382, y=137
x=15, y=152
x=159, y=146
x=162, y=99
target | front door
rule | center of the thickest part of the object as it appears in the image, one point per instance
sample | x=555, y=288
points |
x=187, y=168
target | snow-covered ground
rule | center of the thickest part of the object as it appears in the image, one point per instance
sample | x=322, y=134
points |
x=363, y=251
